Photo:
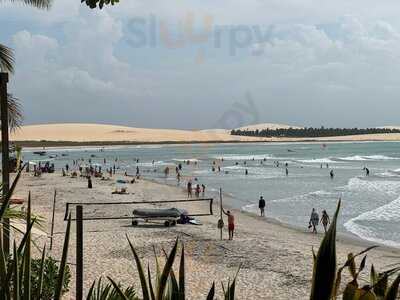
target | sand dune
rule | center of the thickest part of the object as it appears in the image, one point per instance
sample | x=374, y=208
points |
x=76, y=132
x=84, y=133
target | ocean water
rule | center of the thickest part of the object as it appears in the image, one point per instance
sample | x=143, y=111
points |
x=370, y=205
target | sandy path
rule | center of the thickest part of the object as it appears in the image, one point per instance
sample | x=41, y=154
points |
x=276, y=260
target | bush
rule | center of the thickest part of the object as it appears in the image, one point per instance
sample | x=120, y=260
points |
x=50, y=277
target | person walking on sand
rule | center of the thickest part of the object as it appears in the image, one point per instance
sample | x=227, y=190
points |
x=261, y=206
x=314, y=220
x=325, y=219
x=231, y=223
x=189, y=189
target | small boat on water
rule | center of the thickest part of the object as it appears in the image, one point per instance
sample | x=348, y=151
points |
x=41, y=153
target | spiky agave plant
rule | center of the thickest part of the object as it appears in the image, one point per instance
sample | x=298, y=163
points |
x=167, y=286
x=103, y=291
x=326, y=281
x=15, y=270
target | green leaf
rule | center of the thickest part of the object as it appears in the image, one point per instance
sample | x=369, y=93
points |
x=16, y=288
x=153, y=297
x=350, y=291
x=3, y=270
x=352, y=266
x=89, y=296
x=393, y=290
x=60, y=279
x=373, y=275
x=211, y=293
x=182, y=275
x=380, y=286
x=7, y=199
x=116, y=287
x=337, y=283
x=41, y=273
x=362, y=264
x=140, y=271
x=166, y=271
x=325, y=267
x=27, y=254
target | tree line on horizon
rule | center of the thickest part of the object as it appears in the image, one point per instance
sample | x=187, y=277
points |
x=311, y=132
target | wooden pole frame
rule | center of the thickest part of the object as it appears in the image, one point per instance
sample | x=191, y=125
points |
x=52, y=219
x=5, y=155
x=79, y=253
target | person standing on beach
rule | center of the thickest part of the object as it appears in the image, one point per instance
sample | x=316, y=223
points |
x=231, y=223
x=287, y=171
x=331, y=174
x=197, y=191
x=166, y=171
x=325, y=219
x=261, y=206
x=203, y=188
x=90, y=182
x=189, y=189
x=314, y=220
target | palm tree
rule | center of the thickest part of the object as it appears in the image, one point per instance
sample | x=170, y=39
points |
x=7, y=65
x=12, y=118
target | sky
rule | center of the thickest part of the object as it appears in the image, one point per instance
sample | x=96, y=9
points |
x=207, y=64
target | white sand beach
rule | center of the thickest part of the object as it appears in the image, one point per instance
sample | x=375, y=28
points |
x=276, y=260
x=81, y=133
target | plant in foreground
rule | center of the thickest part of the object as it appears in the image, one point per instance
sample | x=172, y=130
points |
x=16, y=271
x=167, y=286
x=327, y=279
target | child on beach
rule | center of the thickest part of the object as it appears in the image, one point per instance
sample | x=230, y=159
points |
x=231, y=223
x=325, y=219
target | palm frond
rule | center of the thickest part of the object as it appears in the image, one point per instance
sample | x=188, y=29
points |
x=15, y=117
x=14, y=112
x=6, y=58
x=41, y=4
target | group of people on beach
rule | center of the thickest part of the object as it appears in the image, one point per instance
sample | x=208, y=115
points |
x=315, y=220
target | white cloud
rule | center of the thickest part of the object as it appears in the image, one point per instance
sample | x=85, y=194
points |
x=319, y=57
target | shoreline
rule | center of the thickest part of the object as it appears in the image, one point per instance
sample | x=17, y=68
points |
x=59, y=144
x=347, y=238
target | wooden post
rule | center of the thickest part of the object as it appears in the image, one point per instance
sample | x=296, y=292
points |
x=52, y=220
x=220, y=211
x=79, y=253
x=5, y=155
